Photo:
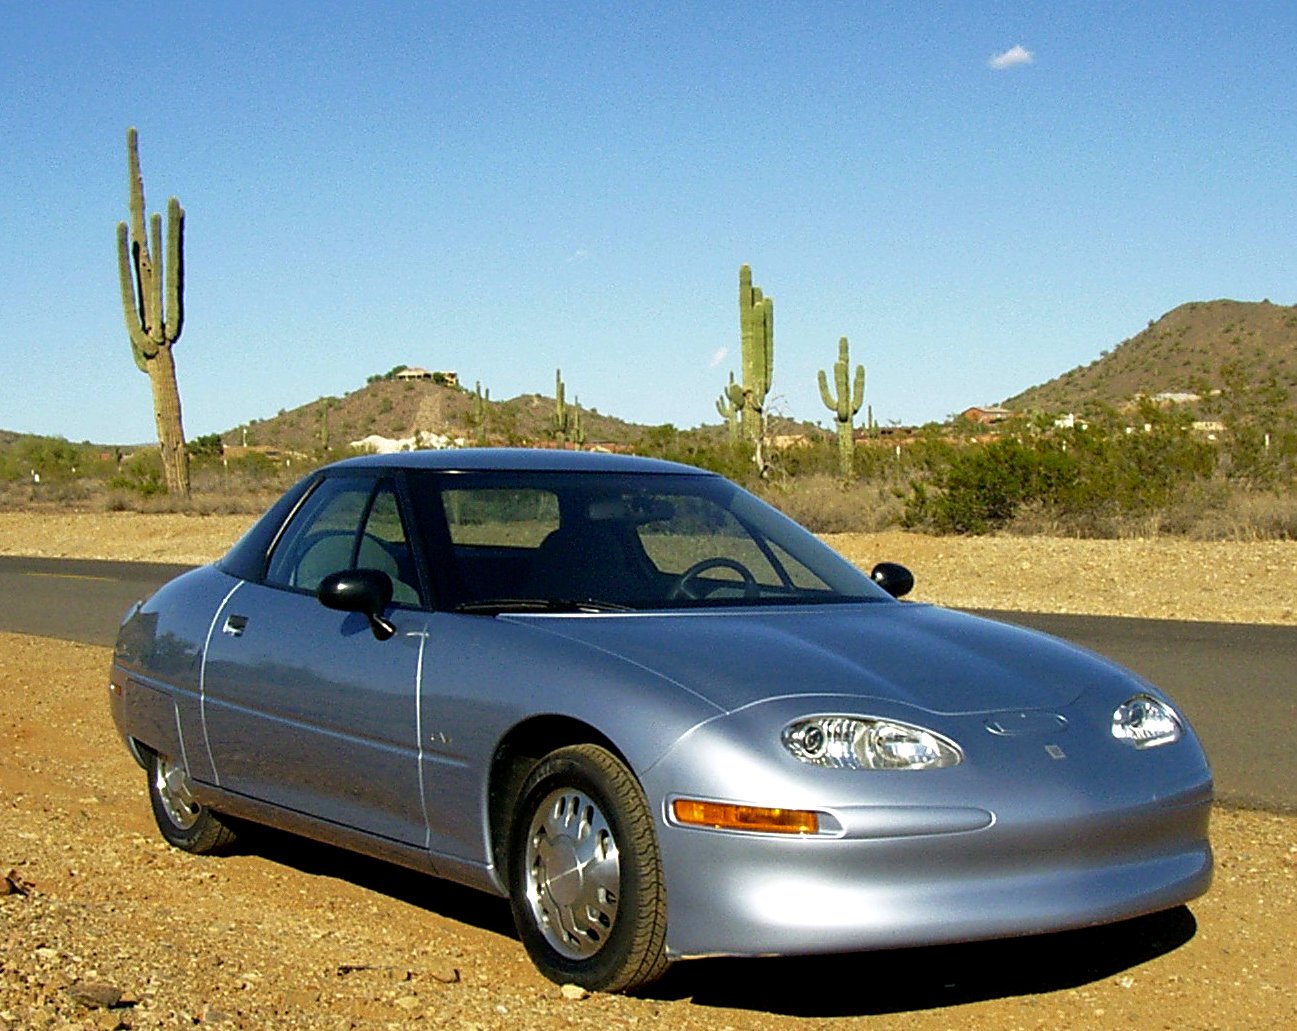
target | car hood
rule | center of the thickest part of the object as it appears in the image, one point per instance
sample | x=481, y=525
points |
x=916, y=655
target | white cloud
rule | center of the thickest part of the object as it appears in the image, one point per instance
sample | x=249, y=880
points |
x=1011, y=58
x=719, y=356
x=578, y=256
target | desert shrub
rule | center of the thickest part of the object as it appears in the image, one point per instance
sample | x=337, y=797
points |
x=209, y=445
x=140, y=474
x=824, y=504
x=1227, y=512
x=816, y=457
x=1095, y=481
x=1123, y=470
x=42, y=459
x=702, y=450
x=984, y=486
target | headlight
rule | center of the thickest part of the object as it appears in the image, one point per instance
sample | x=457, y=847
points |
x=1144, y=722
x=855, y=743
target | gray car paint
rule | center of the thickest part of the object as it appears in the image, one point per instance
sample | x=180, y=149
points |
x=1016, y=839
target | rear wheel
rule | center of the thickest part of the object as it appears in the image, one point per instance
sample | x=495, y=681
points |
x=585, y=874
x=184, y=821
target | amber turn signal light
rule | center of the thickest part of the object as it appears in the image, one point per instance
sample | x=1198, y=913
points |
x=724, y=816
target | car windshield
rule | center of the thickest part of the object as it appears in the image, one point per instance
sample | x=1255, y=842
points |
x=547, y=541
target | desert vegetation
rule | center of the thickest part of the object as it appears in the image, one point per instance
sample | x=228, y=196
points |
x=1134, y=474
x=152, y=283
x=1216, y=460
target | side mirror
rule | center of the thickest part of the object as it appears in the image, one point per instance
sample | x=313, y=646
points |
x=367, y=591
x=894, y=578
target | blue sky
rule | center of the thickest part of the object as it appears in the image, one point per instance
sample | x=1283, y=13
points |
x=505, y=188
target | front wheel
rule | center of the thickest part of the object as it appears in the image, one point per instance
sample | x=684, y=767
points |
x=585, y=874
x=184, y=821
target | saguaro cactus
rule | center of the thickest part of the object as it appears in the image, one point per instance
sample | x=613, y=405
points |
x=562, y=418
x=757, y=332
x=845, y=405
x=480, y=402
x=577, y=431
x=729, y=408
x=153, y=304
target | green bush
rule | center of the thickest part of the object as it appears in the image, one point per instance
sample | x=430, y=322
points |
x=1077, y=477
x=140, y=474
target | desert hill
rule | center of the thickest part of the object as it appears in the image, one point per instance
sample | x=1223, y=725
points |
x=397, y=409
x=1189, y=350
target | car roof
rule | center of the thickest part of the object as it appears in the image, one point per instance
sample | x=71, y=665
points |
x=486, y=459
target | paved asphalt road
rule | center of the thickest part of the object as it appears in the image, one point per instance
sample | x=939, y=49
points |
x=1237, y=683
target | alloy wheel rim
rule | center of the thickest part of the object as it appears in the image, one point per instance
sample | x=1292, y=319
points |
x=172, y=783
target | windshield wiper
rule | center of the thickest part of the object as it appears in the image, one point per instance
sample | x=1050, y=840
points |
x=496, y=606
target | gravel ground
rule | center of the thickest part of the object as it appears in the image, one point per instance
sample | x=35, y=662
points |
x=102, y=926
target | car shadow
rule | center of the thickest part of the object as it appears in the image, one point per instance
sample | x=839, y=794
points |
x=316, y=859
x=906, y=980
x=852, y=984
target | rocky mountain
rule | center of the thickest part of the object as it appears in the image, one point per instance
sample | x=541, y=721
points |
x=1189, y=350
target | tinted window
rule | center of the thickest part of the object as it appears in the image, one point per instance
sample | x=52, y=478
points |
x=346, y=523
x=500, y=517
x=638, y=541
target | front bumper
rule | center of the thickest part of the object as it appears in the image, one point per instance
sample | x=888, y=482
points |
x=742, y=894
x=1031, y=833
x=751, y=895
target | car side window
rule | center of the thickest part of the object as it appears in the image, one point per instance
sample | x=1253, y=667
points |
x=384, y=545
x=321, y=538
x=346, y=524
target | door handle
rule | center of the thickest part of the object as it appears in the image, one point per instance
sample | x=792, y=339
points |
x=235, y=625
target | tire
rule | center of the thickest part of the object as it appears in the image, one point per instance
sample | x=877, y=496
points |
x=184, y=822
x=585, y=875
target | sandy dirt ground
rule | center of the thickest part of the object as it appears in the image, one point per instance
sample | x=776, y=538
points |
x=102, y=926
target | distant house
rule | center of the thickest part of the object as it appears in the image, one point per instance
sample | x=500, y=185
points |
x=445, y=378
x=987, y=416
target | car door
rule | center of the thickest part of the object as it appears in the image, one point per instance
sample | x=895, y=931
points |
x=303, y=706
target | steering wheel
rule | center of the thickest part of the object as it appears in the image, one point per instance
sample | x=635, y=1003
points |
x=685, y=586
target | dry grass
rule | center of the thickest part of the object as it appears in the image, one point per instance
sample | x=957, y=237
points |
x=824, y=504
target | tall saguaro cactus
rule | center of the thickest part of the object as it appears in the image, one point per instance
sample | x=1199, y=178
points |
x=481, y=401
x=729, y=409
x=845, y=405
x=562, y=418
x=578, y=424
x=153, y=303
x=757, y=333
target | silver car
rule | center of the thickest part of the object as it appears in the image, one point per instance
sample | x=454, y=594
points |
x=660, y=717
